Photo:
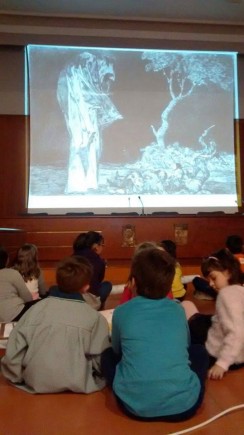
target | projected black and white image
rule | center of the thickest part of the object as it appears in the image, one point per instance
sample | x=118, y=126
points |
x=124, y=129
x=83, y=95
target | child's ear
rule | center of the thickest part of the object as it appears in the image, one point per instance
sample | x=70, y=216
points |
x=133, y=284
x=133, y=287
x=85, y=288
x=94, y=247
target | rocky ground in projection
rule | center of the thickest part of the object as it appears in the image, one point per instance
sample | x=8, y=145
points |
x=176, y=170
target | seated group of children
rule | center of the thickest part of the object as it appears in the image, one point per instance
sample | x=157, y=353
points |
x=155, y=360
x=22, y=285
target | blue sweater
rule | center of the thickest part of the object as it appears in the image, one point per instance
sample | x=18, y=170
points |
x=153, y=377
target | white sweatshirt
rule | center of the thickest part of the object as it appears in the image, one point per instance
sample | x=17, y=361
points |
x=225, y=339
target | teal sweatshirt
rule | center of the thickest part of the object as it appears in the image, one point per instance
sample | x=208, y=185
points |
x=153, y=377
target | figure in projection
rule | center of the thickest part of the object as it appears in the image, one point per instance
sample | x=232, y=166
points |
x=183, y=73
x=83, y=95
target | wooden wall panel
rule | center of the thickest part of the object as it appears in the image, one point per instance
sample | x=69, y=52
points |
x=13, y=164
x=11, y=239
x=54, y=235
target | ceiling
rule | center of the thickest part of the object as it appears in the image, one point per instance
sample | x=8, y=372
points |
x=170, y=24
x=212, y=11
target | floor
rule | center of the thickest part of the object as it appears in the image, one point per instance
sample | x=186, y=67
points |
x=98, y=413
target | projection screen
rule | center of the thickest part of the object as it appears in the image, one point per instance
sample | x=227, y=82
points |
x=131, y=130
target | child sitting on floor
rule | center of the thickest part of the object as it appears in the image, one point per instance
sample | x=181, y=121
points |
x=15, y=297
x=223, y=333
x=203, y=290
x=90, y=246
x=57, y=344
x=26, y=263
x=149, y=364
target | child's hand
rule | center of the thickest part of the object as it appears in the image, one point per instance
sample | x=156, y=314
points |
x=216, y=372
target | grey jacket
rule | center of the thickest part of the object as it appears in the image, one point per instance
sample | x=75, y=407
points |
x=56, y=346
x=13, y=294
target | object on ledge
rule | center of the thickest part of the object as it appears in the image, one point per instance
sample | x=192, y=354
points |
x=85, y=213
x=37, y=214
x=206, y=213
x=128, y=236
x=165, y=213
x=130, y=213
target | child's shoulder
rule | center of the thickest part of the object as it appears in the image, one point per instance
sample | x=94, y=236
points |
x=10, y=272
x=128, y=304
x=231, y=292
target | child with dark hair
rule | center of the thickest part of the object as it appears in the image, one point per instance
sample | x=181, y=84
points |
x=15, y=298
x=26, y=262
x=57, y=345
x=149, y=367
x=90, y=245
x=223, y=333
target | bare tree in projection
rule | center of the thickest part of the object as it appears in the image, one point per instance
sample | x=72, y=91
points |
x=184, y=73
x=83, y=95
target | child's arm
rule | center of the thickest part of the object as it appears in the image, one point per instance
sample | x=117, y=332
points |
x=99, y=336
x=127, y=294
x=216, y=372
x=99, y=339
x=229, y=311
x=22, y=289
x=11, y=364
x=100, y=268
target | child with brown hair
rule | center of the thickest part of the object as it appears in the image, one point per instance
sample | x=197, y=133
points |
x=57, y=345
x=223, y=332
x=26, y=263
x=154, y=373
x=128, y=292
x=15, y=298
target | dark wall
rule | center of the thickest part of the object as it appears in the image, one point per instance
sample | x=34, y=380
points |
x=14, y=167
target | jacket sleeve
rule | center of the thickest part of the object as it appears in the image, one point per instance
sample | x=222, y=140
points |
x=230, y=314
x=99, y=342
x=12, y=362
x=22, y=289
x=101, y=269
x=99, y=336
